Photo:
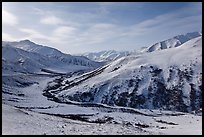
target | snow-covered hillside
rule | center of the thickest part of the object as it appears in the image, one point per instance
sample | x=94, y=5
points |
x=172, y=42
x=167, y=79
x=109, y=55
x=28, y=57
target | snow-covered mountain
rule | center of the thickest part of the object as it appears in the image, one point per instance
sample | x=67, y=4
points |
x=172, y=42
x=166, y=79
x=26, y=56
x=108, y=55
x=108, y=98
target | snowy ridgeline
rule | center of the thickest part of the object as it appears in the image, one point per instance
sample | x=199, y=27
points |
x=156, y=92
x=110, y=55
x=173, y=42
x=106, y=56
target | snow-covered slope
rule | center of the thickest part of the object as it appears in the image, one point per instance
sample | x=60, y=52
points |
x=29, y=46
x=109, y=55
x=26, y=56
x=172, y=42
x=167, y=79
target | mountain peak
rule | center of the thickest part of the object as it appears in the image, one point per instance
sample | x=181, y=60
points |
x=172, y=42
x=26, y=41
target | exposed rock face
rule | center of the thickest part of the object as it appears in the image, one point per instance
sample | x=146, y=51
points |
x=160, y=92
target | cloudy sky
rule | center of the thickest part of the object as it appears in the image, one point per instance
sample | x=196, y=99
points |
x=76, y=27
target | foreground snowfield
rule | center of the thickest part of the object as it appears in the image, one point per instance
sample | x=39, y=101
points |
x=19, y=121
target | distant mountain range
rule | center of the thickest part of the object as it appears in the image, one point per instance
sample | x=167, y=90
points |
x=111, y=55
x=108, y=55
x=28, y=57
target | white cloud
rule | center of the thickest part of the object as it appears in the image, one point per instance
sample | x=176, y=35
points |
x=63, y=34
x=8, y=18
x=51, y=20
x=28, y=31
x=38, y=11
x=64, y=30
x=49, y=17
x=164, y=22
x=75, y=37
x=97, y=33
x=100, y=26
x=34, y=35
x=7, y=37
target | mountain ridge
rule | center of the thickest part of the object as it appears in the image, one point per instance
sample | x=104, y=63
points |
x=172, y=42
x=110, y=55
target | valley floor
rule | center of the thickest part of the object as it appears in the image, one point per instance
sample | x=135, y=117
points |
x=34, y=114
x=18, y=121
